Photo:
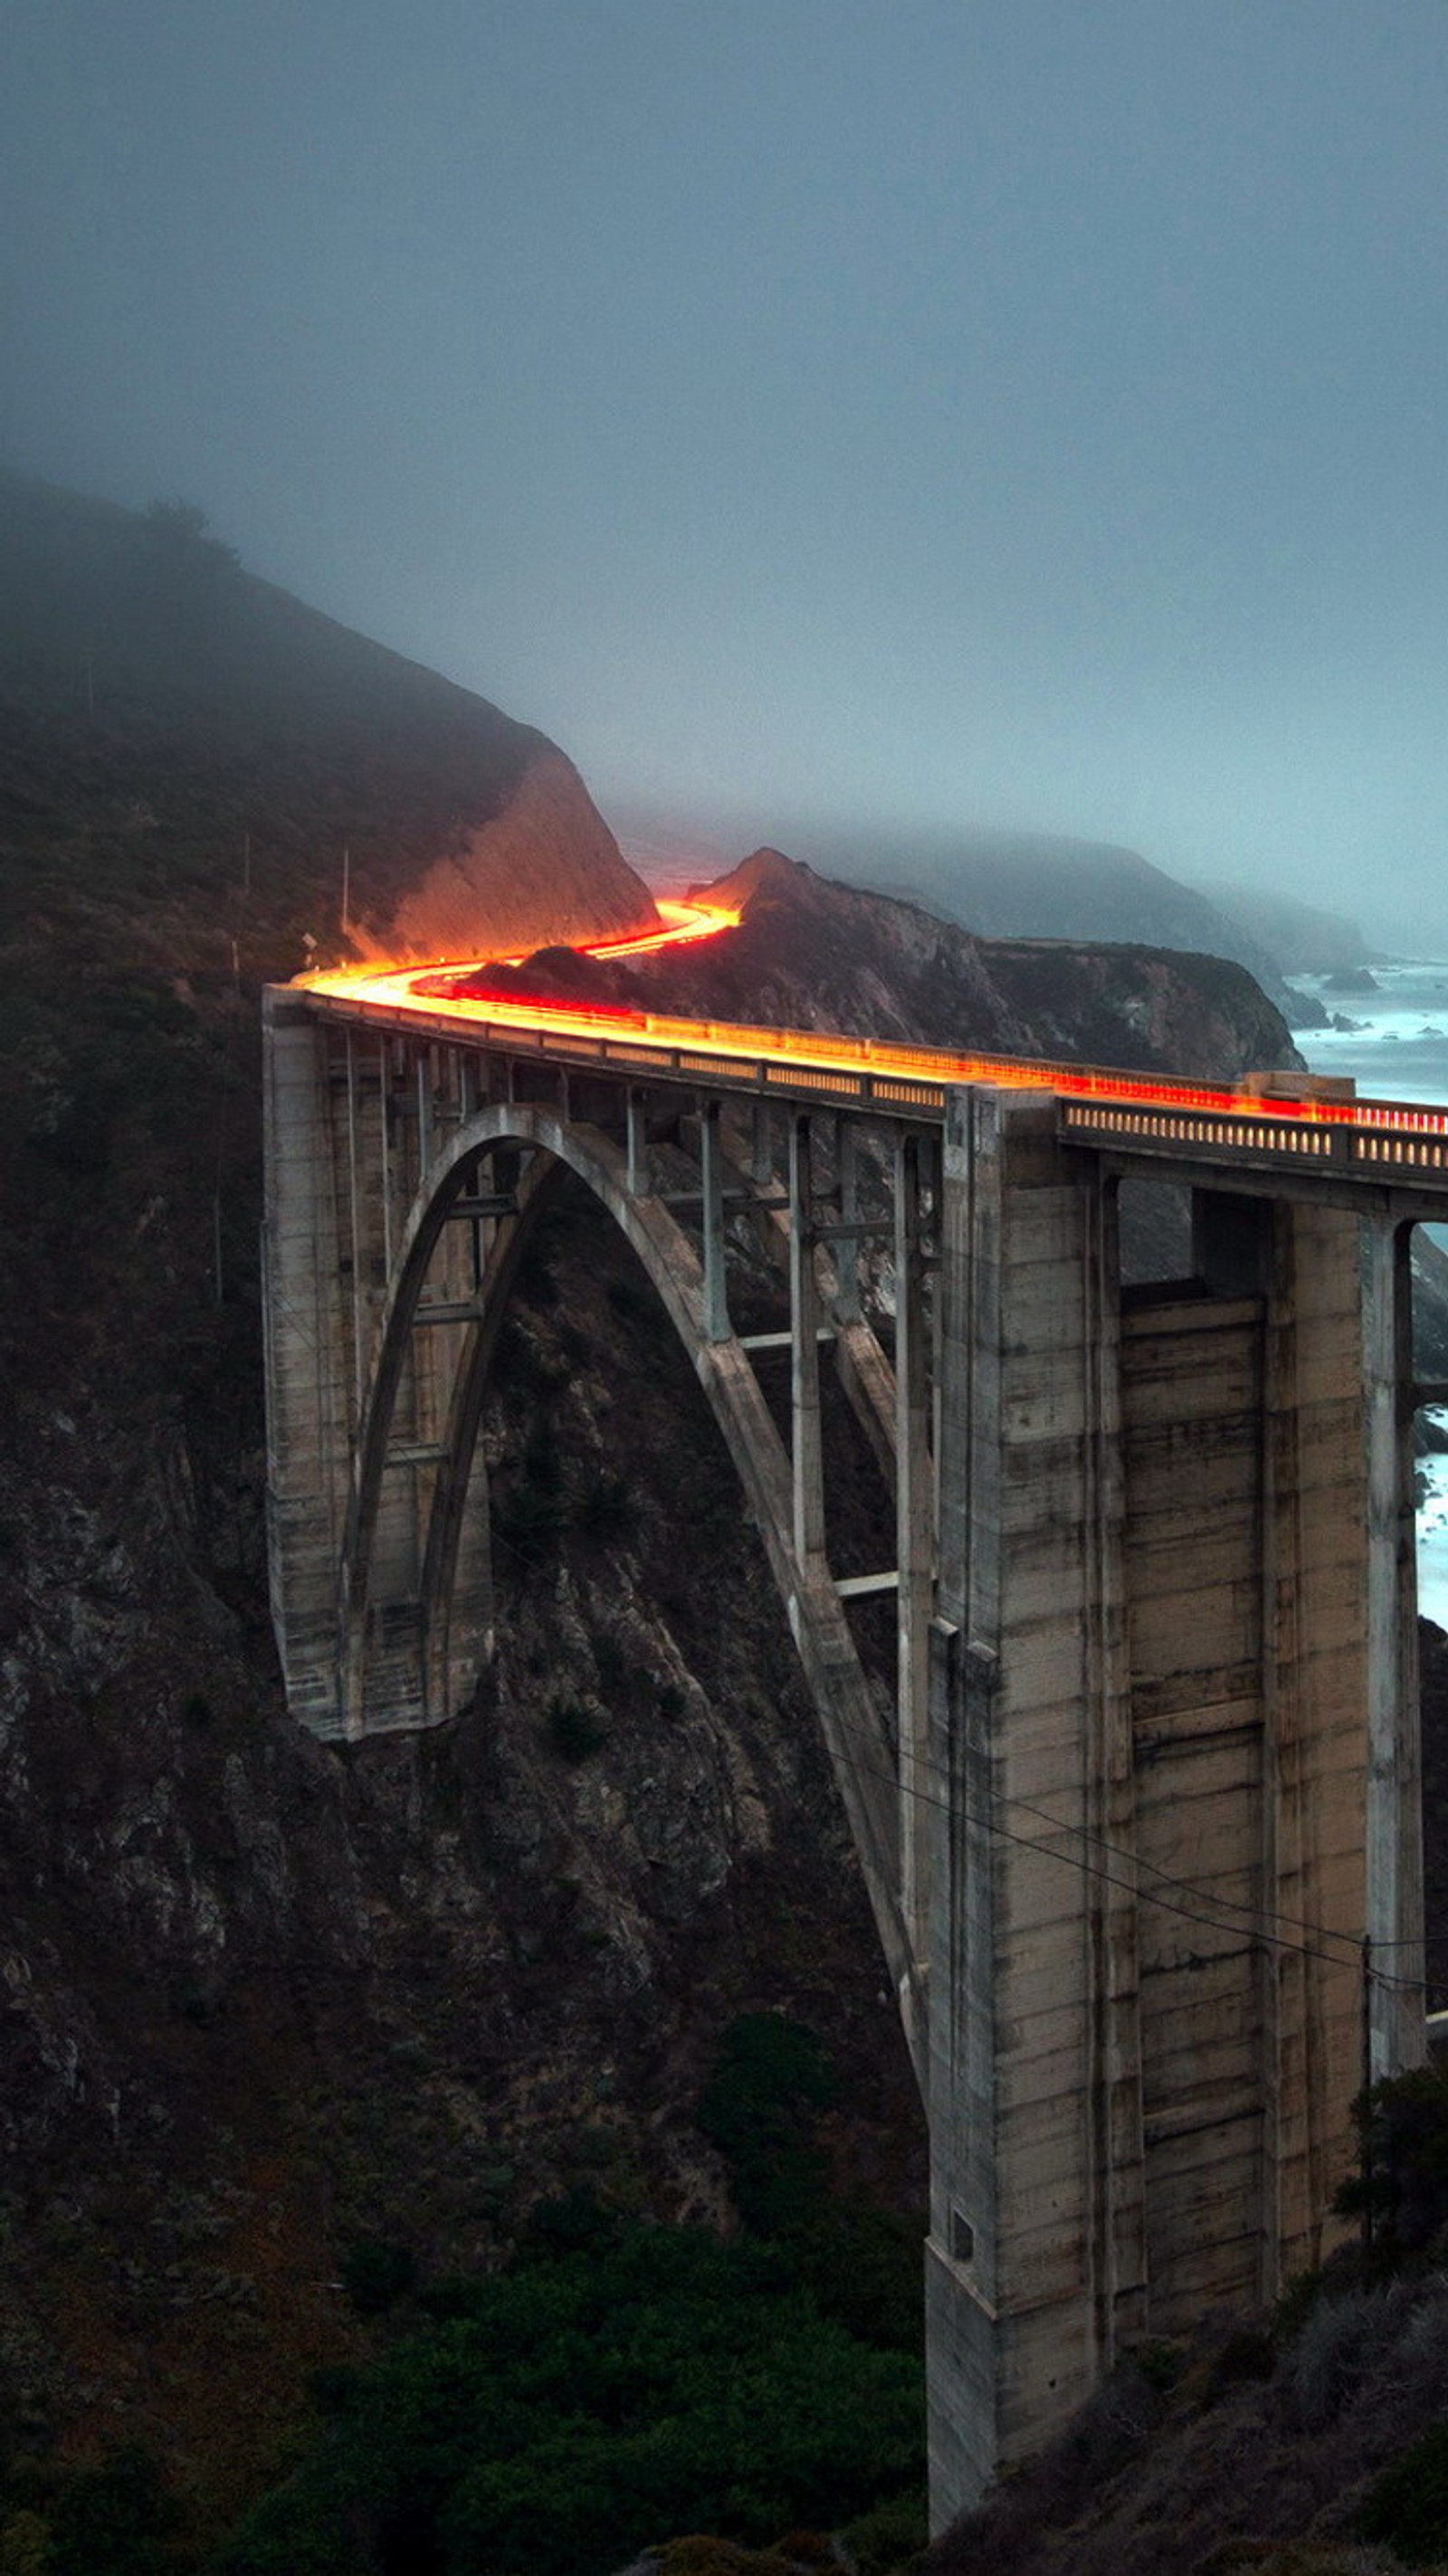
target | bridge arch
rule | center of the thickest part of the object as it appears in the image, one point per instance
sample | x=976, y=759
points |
x=555, y=1144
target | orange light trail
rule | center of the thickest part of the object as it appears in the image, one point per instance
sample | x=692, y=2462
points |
x=394, y=989
x=683, y=923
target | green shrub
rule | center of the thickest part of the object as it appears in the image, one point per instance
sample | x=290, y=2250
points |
x=542, y=1466
x=575, y=2223
x=573, y=1731
x=375, y=2275
x=613, y=1666
x=1160, y=2364
x=25, y=2545
x=1401, y=2187
x=885, y=2538
x=633, y=1301
x=113, y=2520
x=1408, y=2505
x=770, y=2074
x=604, y=1507
x=585, y=2404
x=527, y=1519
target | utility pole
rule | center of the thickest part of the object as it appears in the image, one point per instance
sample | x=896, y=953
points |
x=1367, y=2115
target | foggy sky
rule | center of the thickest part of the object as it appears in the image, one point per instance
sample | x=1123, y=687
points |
x=923, y=412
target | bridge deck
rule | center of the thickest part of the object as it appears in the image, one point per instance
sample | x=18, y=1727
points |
x=1307, y=1128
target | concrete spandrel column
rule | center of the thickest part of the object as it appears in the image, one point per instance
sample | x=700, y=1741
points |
x=1394, y=1791
x=640, y=1172
x=716, y=1290
x=847, y=1304
x=914, y=1517
x=804, y=1320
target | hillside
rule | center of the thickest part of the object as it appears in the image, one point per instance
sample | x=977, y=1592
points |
x=189, y=752
x=812, y=953
x=1305, y=939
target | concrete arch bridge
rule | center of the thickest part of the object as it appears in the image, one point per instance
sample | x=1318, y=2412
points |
x=1153, y=1775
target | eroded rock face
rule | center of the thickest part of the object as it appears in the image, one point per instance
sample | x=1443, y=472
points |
x=259, y=1997
x=817, y=954
x=545, y=869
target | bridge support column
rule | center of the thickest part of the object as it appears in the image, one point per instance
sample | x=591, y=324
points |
x=1173, y=1648
x=1394, y=1795
x=716, y=1293
x=848, y=1308
x=640, y=1172
x=804, y=1324
x=914, y=1546
x=1034, y=2261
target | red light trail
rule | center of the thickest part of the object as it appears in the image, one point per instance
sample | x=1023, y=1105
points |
x=395, y=989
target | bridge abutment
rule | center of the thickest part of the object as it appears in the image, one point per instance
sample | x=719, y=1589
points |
x=310, y=1399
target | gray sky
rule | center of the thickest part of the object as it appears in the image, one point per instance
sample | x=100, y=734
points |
x=926, y=411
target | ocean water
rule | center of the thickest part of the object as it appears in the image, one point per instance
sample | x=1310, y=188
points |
x=1398, y=1050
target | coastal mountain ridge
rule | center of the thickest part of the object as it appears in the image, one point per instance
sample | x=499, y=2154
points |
x=1041, y=886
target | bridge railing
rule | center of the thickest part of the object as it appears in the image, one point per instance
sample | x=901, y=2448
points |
x=1314, y=1126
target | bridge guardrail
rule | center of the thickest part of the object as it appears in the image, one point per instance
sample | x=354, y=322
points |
x=1099, y=1105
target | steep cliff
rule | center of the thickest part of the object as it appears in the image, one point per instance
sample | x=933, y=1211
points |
x=545, y=868
x=177, y=729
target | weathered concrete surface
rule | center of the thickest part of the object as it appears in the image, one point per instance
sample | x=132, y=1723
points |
x=1034, y=2231
x=1150, y=1751
x=306, y=1320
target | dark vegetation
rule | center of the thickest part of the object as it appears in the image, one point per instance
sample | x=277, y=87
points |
x=620, y=2381
x=617, y=2381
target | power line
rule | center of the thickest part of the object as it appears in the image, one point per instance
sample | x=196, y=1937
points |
x=1261, y=1916
x=1235, y=1905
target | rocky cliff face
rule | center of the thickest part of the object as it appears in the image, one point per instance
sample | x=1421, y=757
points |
x=262, y=2002
x=812, y=953
x=545, y=868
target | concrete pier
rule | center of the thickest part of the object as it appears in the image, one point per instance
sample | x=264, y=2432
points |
x=1151, y=1671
